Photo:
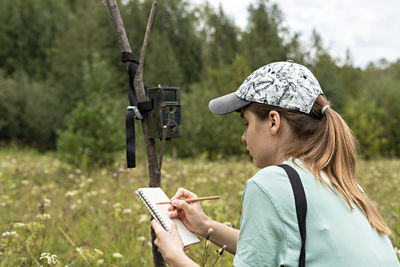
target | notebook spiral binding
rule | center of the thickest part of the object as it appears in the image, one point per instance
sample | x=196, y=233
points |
x=153, y=210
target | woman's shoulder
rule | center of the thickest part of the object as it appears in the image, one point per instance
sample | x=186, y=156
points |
x=273, y=176
x=274, y=181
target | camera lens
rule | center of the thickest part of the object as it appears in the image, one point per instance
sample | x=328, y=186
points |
x=172, y=126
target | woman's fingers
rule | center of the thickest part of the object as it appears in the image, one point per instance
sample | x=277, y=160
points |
x=156, y=227
x=183, y=193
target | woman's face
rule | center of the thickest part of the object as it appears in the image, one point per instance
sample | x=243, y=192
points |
x=261, y=138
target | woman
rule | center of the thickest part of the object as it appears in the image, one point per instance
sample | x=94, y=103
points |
x=289, y=121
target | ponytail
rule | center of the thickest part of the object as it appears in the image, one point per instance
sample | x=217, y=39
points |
x=324, y=142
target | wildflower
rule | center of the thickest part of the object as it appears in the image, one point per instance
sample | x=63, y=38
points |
x=98, y=251
x=44, y=216
x=47, y=202
x=127, y=211
x=18, y=225
x=11, y=233
x=141, y=238
x=100, y=262
x=50, y=258
x=80, y=251
x=221, y=250
x=104, y=202
x=24, y=182
x=117, y=205
x=117, y=255
x=71, y=193
x=210, y=231
x=143, y=218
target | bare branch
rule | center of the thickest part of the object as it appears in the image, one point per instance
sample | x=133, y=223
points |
x=138, y=81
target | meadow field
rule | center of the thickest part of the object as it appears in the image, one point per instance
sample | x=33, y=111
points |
x=54, y=214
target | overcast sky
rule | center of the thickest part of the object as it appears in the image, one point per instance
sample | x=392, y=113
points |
x=369, y=28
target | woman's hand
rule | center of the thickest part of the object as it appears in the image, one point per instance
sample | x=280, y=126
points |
x=170, y=246
x=191, y=214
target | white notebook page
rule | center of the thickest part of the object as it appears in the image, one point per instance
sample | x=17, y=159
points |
x=156, y=194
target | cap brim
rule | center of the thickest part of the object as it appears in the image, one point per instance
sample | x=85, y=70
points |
x=227, y=104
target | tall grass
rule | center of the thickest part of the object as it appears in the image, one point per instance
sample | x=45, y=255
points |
x=54, y=214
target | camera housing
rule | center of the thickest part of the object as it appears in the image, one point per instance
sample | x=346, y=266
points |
x=166, y=111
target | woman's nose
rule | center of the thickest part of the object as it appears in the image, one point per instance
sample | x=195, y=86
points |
x=243, y=138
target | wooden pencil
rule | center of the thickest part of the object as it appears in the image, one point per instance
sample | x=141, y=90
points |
x=189, y=200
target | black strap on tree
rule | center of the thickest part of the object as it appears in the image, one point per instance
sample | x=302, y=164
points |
x=134, y=111
x=301, y=208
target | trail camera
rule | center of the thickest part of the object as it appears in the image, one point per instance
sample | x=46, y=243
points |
x=166, y=111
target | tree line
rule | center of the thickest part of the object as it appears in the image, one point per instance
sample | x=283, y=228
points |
x=63, y=87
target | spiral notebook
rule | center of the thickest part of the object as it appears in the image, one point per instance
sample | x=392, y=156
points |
x=152, y=195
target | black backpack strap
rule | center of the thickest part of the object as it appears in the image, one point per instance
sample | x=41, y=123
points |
x=301, y=208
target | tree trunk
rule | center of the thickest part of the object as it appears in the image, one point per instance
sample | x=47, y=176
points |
x=154, y=171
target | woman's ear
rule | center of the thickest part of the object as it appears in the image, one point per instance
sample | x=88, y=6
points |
x=274, y=121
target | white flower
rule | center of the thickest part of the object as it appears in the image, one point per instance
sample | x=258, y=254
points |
x=98, y=251
x=47, y=202
x=18, y=225
x=117, y=205
x=127, y=211
x=141, y=238
x=100, y=262
x=50, y=258
x=44, y=216
x=71, y=193
x=117, y=255
x=143, y=218
x=80, y=251
x=11, y=233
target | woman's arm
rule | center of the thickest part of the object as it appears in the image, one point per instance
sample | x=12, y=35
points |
x=222, y=235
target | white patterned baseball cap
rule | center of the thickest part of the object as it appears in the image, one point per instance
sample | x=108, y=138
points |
x=283, y=84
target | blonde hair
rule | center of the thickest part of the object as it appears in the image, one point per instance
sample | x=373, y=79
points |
x=324, y=142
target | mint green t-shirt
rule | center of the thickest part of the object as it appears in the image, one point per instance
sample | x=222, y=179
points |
x=336, y=236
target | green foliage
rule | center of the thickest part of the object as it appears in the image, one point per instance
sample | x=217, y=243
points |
x=97, y=212
x=93, y=134
x=27, y=30
x=221, y=33
x=366, y=120
x=191, y=46
x=207, y=133
x=261, y=42
x=30, y=111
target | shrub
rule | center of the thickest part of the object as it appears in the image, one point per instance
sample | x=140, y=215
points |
x=93, y=134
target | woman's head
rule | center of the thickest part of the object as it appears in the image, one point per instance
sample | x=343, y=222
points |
x=291, y=118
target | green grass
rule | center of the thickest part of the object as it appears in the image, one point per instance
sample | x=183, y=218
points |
x=100, y=214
